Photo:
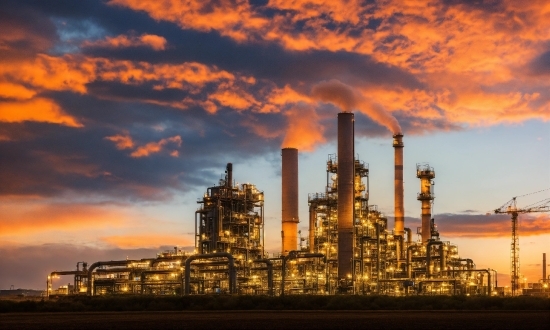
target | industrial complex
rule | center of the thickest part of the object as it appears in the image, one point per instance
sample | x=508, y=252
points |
x=351, y=248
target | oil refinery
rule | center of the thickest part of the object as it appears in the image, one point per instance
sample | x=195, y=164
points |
x=350, y=247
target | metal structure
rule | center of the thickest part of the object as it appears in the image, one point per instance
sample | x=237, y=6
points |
x=350, y=248
x=426, y=196
x=511, y=208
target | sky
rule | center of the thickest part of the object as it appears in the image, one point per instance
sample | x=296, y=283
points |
x=115, y=116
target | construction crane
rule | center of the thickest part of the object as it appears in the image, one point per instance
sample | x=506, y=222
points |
x=511, y=208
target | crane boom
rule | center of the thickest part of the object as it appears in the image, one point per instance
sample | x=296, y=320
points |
x=510, y=207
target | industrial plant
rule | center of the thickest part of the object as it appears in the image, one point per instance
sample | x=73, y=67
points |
x=351, y=248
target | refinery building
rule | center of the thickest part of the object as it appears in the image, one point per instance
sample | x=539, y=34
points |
x=351, y=248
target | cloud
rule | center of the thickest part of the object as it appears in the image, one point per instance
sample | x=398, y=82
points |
x=150, y=240
x=155, y=147
x=145, y=40
x=121, y=141
x=483, y=226
x=37, y=109
x=30, y=216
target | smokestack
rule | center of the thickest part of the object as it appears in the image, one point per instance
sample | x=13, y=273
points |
x=544, y=267
x=345, y=181
x=289, y=200
x=399, y=227
x=229, y=171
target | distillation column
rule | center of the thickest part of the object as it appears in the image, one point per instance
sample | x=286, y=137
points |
x=289, y=233
x=345, y=182
x=399, y=226
x=425, y=173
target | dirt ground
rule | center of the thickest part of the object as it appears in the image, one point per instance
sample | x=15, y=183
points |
x=281, y=320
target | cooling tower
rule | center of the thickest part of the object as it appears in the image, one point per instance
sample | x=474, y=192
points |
x=399, y=226
x=289, y=200
x=345, y=182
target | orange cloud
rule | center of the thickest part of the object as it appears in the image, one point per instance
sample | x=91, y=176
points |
x=231, y=18
x=481, y=226
x=458, y=50
x=121, y=141
x=15, y=91
x=149, y=240
x=37, y=109
x=155, y=147
x=148, y=40
x=233, y=97
x=20, y=217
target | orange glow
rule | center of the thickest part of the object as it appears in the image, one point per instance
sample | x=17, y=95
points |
x=155, y=147
x=121, y=141
x=37, y=217
x=149, y=240
x=304, y=131
x=38, y=109
x=529, y=225
x=15, y=91
x=149, y=40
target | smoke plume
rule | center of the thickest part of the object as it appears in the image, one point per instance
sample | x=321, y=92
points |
x=347, y=98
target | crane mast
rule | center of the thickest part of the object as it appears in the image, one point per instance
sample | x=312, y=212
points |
x=511, y=208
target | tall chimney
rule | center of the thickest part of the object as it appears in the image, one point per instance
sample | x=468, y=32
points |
x=229, y=171
x=289, y=200
x=544, y=267
x=345, y=181
x=399, y=227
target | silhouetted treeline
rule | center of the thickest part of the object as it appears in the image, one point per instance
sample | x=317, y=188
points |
x=222, y=302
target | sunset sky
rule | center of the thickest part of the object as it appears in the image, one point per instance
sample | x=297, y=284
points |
x=116, y=115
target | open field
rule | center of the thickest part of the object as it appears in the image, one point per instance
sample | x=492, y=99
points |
x=280, y=320
x=131, y=303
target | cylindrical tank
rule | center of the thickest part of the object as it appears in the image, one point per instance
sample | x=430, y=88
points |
x=345, y=181
x=399, y=211
x=289, y=200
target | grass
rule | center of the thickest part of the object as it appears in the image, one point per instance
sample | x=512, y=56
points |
x=303, y=302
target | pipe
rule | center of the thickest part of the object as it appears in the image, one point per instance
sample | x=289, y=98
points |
x=289, y=200
x=296, y=255
x=105, y=263
x=441, y=257
x=345, y=181
x=77, y=272
x=269, y=266
x=312, y=222
x=231, y=262
x=398, y=184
